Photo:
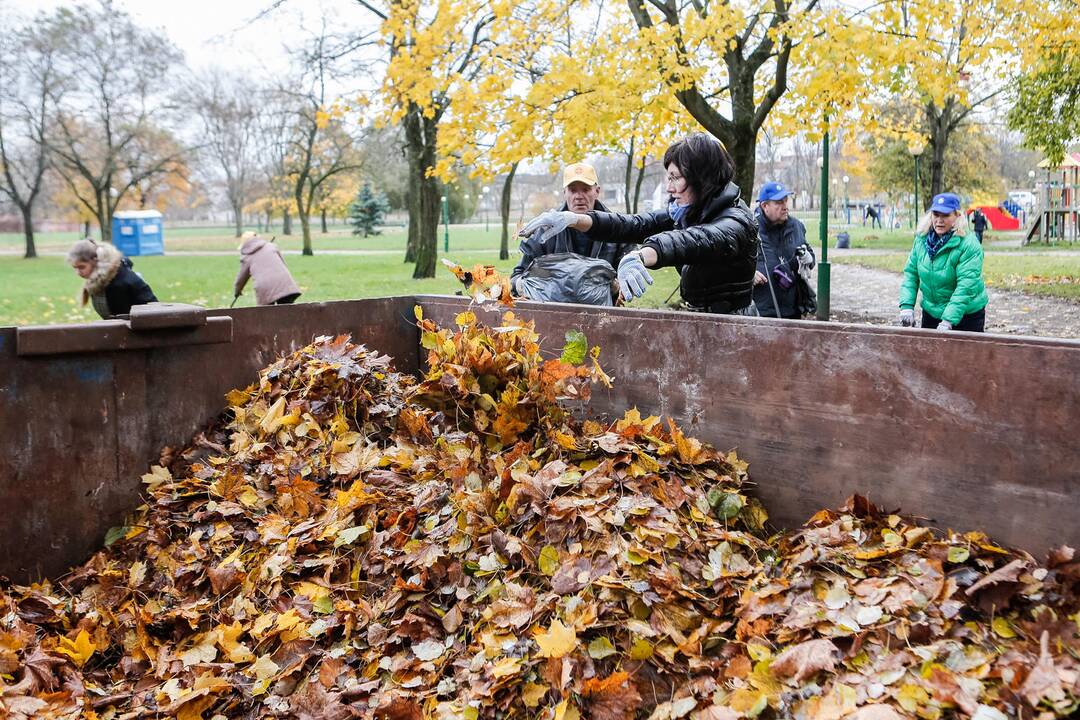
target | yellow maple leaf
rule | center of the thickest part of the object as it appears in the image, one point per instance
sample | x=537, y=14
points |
x=227, y=641
x=79, y=650
x=506, y=667
x=533, y=693
x=194, y=709
x=566, y=711
x=557, y=641
x=264, y=668
x=288, y=619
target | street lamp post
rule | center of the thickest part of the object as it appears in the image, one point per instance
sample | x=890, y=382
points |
x=486, y=191
x=916, y=148
x=847, y=208
x=446, y=223
x=824, y=268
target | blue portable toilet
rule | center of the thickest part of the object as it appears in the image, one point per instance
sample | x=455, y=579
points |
x=138, y=232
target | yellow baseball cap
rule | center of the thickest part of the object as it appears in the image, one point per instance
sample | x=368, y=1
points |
x=579, y=172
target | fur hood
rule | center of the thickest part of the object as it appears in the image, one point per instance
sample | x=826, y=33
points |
x=109, y=262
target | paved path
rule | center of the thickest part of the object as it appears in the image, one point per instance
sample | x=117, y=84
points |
x=867, y=295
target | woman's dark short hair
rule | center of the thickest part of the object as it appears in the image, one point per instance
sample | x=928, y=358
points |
x=704, y=163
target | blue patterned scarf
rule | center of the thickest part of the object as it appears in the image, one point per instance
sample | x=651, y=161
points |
x=935, y=242
x=676, y=211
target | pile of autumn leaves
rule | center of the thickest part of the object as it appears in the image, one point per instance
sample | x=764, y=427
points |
x=349, y=541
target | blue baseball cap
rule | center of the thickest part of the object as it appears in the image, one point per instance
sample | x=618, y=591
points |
x=773, y=191
x=945, y=203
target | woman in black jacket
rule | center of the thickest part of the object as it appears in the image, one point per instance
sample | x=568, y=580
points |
x=111, y=285
x=707, y=232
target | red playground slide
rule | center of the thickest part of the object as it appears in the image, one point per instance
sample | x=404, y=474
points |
x=998, y=220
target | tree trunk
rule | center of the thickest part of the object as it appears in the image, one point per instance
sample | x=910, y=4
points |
x=637, y=185
x=28, y=230
x=420, y=137
x=414, y=142
x=504, y=211
x=286, y=223
x=86, y=228
x=937, y=164
x=238, y=218
x=744, y=154
x=323, y=218
x=427, y=245
x=305, y=227
x=304, y=212
x=104, y=221
x=629, y=177
x=941, y=127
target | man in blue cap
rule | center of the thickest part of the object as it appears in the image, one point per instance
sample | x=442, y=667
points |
x=781, y=283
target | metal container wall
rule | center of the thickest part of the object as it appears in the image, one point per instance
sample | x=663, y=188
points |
x=968, y=431
x=78, y=429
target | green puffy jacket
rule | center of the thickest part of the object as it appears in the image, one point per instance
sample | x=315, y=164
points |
x=952, y=284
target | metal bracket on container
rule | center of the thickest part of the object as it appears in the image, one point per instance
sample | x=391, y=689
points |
x=148, y=326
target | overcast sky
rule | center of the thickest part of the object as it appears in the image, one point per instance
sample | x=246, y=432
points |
x=225, y=32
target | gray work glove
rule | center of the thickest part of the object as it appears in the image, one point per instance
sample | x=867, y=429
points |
x=944, y=325
x=907, y=317
x=633, y=277
x=548, y=224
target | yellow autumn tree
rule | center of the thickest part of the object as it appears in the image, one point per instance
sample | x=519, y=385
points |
x=442, y=53
x=599, y=97
x=729, y=64
x=953, y=59
x=573, y=94
x=436, y=50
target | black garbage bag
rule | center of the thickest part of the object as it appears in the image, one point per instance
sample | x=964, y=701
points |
x=568, y=278
x=805, y=297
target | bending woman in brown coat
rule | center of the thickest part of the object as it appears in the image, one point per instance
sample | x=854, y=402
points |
x=261, y=260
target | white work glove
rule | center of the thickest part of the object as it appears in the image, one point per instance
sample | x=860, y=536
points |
x=549, y=224
x=944, y=325
x=806, y=261
x=907, y=317
x=633, y=277
x=805, y=256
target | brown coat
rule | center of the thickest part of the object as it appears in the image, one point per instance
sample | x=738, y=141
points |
x=261, y=260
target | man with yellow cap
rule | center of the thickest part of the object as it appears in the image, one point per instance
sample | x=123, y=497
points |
x=581, y=194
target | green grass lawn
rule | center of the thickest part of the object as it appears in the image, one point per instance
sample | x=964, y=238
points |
x=1051, y=275
x=45, y=290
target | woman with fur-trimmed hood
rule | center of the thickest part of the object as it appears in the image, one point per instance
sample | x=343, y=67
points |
x=111, y=285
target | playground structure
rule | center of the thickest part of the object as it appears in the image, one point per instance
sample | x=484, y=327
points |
x=999, y=219
x=1058, y=219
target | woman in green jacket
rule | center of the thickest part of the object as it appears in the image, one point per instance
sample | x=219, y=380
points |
x=946, y=263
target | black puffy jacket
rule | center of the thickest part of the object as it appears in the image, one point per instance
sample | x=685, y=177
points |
x=569, y=241
x=716, y=253
x=127, y=289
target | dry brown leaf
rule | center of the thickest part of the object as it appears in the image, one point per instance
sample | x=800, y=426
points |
x=806, y=659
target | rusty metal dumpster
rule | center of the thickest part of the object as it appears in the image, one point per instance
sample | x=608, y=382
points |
x=969, y=431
